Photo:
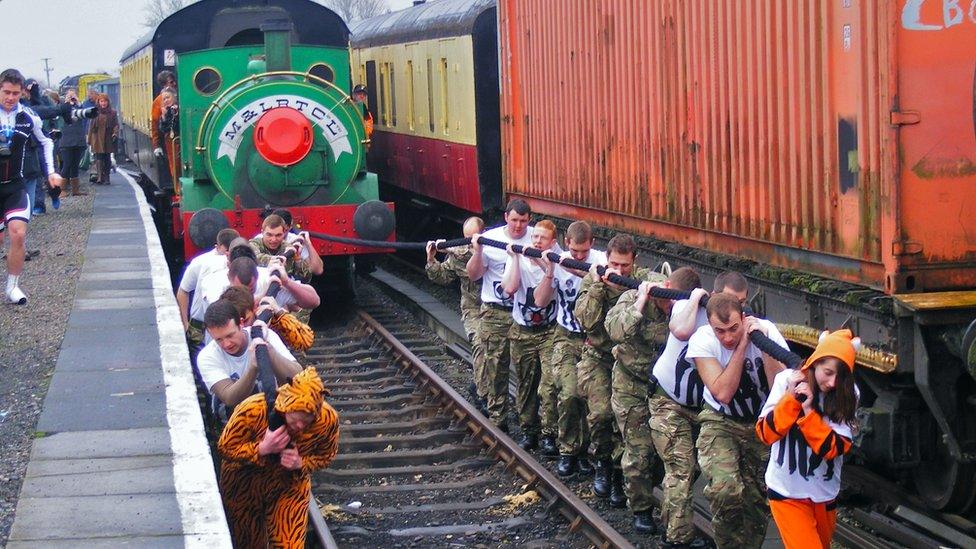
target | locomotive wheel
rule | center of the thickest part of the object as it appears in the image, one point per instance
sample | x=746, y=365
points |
x=942, y=482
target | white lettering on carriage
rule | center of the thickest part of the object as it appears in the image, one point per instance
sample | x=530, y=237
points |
x=952, y=14
x=333, y=129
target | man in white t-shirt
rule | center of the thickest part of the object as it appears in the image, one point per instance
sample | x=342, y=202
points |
x=737, y=377
x=488, y=265
x=201, y=265
x=675, y=405
x=531, y=336
x=560, y=408
x=293, y=295
x=228, y=365
x=242, y=271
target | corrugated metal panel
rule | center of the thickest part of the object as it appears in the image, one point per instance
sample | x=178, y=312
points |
x=758, y=128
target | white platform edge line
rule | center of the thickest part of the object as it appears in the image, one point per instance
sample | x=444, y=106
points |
x=201, y=509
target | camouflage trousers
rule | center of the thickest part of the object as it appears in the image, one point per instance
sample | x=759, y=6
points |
x=194, y=337
x=471, y=318
x=493, y=334
x=734, y=462
x=560, y=407
x=672, y=430
x=531, y=351
x=595, y=387
x=629, y=403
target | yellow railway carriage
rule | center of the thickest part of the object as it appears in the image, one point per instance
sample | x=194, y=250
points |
x=431, y=72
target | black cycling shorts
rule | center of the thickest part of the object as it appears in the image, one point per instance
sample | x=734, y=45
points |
x=14, y=203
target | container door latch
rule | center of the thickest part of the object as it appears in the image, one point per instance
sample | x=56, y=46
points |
x=905, y=118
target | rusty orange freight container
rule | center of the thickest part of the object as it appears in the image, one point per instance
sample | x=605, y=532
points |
x=833, y=136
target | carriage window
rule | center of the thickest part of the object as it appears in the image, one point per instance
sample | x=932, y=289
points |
x=323, y=71
x=445, y=119
x=430, y=95
x=392, y=97
x=381, y=100
x=206, y=81
x=410, y=96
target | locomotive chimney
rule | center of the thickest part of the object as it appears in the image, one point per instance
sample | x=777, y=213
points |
x=277, y=44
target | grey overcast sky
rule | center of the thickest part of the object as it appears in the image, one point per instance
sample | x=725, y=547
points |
x=78, y=35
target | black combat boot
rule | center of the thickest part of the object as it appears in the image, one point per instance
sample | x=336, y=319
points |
x=644, y=522
x=548, y=446
x=566, y=466
x=601, y=478
x=618, y=498
x=529, y=442
x=584, y=464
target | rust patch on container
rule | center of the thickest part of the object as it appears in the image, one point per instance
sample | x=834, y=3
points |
x=933, y=168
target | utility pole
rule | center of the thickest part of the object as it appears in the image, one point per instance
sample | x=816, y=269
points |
x=47, y=70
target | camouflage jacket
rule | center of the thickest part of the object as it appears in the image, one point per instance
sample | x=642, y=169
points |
x=454, y=267
x=296, y=267
x=592, y=304
x=639, y=337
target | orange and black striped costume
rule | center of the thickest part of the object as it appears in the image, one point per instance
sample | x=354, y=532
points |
x=266, y=504
x=803, y=474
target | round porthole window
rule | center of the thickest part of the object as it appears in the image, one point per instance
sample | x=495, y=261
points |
x=323, y=71
x=206, y=81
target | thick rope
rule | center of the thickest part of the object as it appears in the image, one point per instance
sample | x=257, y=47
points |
x=760, y=340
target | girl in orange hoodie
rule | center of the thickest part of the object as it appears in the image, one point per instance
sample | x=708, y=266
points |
x=808, y=420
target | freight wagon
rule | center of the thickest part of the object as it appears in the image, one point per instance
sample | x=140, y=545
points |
x=826, y=148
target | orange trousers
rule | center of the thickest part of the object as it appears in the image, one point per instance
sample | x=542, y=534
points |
x=802, y=523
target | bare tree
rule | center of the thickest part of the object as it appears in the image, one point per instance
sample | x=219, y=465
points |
x=157, y=10
x=354, y=10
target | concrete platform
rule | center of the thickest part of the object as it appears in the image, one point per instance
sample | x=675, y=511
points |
x=121, y=458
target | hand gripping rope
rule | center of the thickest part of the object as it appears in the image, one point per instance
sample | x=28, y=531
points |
x=263, y=358
x=759, y=339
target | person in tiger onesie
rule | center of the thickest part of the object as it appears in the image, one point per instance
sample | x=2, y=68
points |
x=266, y=499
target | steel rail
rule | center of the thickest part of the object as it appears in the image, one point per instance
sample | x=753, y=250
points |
x=581, y=517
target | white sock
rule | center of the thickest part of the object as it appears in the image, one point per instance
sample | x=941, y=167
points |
x=12, y=281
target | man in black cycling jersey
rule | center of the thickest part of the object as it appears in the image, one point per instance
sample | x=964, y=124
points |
x=18, y=123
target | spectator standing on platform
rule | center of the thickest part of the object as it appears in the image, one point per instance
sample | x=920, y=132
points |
x=454, y=267
x=73, y=146
x=103, y=131
x=266, y=499
x=18, y=124
x=808, y=420
x=35, y=164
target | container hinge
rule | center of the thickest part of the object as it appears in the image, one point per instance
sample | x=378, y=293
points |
x=906, y=247
x=905, y=118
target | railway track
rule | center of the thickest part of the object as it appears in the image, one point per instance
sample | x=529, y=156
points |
x=891, y=517
x=418, y=465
